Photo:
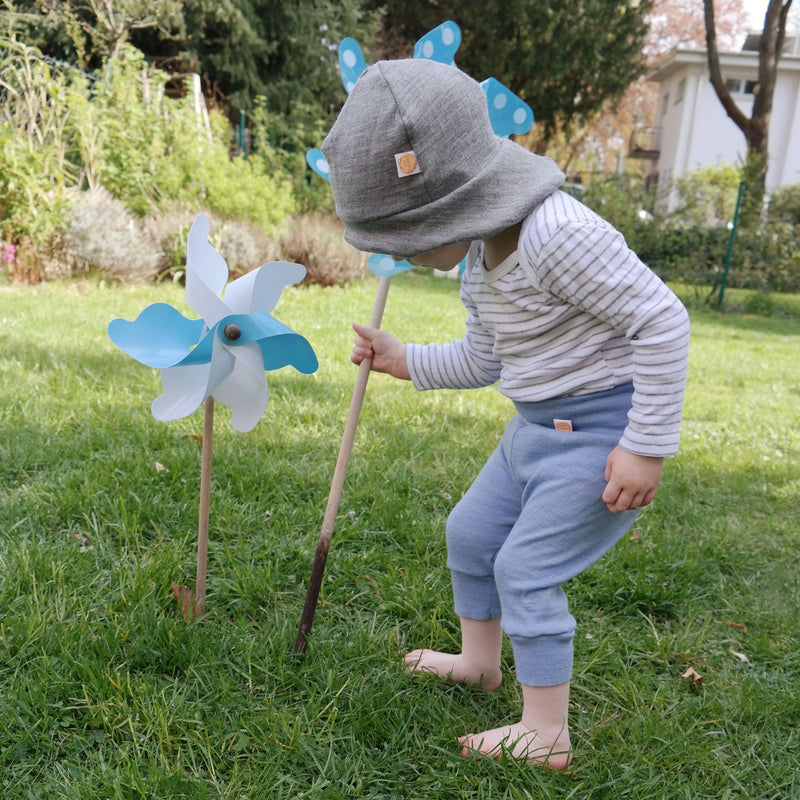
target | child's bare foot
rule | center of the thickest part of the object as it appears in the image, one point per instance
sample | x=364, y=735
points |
x=453, y=668
x=519, y=741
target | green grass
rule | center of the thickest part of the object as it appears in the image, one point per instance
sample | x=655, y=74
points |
x=106, y=693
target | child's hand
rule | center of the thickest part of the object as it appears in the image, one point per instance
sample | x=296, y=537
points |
x=632, y=480
x=387, y=353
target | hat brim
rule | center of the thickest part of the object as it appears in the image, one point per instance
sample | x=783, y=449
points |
x=502, y=194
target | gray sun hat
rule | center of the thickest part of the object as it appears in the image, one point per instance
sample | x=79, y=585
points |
x=415, y=165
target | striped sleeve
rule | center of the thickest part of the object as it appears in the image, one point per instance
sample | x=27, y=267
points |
x=467, y=363
x=590, y=266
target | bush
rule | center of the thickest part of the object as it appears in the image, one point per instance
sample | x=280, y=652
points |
x=767, y=259
x=104, y=236
x=315, y=241
x=682, y=247
x=153, y=151
x=690, y=255
x=121, y=138
x=784, y=205
x=243, y=245
x=35, y=165
x=707, y=196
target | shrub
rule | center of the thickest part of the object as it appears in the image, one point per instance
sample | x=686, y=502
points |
x=690, y=255
x=706, y=196
x=311, y=192
x=104, y=236
x=243, y=245
x=152, y=151
x=784, y=205
x=767, y=259
x=683, y=247
x=35, y=167
x=315, y=241
x=120, y=137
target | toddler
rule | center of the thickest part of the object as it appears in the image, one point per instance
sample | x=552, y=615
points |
x=585, y=341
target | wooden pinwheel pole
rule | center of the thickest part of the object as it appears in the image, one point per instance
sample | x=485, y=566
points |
x=193, y=603
x=337, y=484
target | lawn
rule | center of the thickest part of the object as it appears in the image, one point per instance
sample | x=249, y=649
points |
x=687, y=670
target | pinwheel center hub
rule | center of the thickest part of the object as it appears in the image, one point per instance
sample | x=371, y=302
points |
x=232, y=332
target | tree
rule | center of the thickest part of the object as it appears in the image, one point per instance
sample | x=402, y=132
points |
x=756, y=127
x=109, y=24
x=565, y=58
x=600, y=144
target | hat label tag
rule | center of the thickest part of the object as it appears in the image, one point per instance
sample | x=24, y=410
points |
x=406, y=164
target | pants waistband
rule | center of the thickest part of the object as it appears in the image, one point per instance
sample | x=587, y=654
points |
x=582, y=410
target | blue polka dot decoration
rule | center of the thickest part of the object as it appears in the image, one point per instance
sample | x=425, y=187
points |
x=351, y=62
x=318, y=163
x=385, y=266
x=440, y=44
x=507, y=113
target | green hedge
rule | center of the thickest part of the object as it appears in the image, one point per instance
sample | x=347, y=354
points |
x=679, y=248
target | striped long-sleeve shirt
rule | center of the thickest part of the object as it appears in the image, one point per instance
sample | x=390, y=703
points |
x=572, y=311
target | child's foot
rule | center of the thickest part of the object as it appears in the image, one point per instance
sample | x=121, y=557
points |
x=519, y=741
x=453, y=668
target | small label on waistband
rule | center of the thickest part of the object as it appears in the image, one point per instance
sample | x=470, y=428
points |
x=562, y=424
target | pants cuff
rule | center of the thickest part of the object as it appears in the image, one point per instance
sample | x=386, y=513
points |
x=543, y=660
x=475, y=597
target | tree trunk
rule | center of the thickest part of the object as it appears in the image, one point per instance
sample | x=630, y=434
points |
x=756, y=127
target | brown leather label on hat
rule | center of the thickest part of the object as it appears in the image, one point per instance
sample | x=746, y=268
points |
x=406, y=164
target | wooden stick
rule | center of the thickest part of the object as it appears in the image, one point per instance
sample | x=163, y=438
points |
x=335, y=494
x=205, y=496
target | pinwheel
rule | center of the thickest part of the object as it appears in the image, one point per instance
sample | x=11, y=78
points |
x=221, y=356
x=508, y=114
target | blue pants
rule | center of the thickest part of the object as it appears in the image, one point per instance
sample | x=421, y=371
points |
x=532, y=520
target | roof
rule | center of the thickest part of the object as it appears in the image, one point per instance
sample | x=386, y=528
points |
x=681, y=58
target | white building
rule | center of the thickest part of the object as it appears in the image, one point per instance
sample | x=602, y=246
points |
x=692, y=129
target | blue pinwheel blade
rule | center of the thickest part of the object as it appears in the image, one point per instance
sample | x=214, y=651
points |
x=385, y=266
x=440, y=44
x=280, y=345
x=351, y=62
x=159, y=337
x=507, y=113
x=318, y=163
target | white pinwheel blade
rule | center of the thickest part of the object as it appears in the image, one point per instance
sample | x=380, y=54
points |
x=187, y=386
x=206, y=274
x=261, y=289
x=245, y=389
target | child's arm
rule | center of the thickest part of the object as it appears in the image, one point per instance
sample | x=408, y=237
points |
x=388, y=354
x=632, y=480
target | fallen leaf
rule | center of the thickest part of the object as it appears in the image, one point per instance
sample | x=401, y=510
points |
x=741, y=656
x=634, y=536
x=160, y=467
x=694, y=676
x=737, y=625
